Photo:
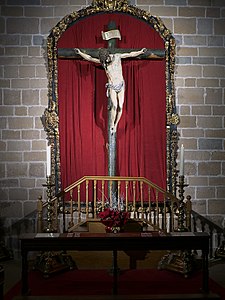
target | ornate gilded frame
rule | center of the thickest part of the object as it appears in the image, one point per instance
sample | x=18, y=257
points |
x=50, y=117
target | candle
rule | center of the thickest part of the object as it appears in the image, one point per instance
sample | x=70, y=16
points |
x=182, y=160
x=48, y=160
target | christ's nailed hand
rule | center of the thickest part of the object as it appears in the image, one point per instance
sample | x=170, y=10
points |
x=77, y=51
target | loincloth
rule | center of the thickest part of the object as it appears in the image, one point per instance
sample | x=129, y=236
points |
x=116, y=87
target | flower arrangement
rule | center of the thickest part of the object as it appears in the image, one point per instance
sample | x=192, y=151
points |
x=112, y=217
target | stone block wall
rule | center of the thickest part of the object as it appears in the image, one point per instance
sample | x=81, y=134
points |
x=199, y=29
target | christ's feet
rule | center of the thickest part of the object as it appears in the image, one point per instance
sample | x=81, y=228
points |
x=113, y=130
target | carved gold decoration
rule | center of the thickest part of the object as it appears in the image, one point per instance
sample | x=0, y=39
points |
x=50, y=122
x=110, y=4
x=173, y=161
x=181, y=262
x=51, y=114
x=175, y=119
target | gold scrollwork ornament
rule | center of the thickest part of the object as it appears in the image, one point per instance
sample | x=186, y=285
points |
x=50, y=121
x=110, y=4
x=175, y=119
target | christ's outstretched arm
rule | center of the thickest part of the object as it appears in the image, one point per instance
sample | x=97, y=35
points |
x=133, y=53
x=86, y=56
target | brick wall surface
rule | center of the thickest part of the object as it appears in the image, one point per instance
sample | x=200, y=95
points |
x=199, y=29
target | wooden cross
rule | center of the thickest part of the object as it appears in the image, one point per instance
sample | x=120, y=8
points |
x=158, y=54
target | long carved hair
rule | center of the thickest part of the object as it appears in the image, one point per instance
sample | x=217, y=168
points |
x=104, y=57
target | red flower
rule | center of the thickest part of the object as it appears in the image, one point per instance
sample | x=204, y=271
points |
x=113, y=218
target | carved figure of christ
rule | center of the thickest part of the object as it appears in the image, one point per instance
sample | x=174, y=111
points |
x=116, y=85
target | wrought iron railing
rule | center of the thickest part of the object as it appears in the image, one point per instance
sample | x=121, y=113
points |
x=216, y=233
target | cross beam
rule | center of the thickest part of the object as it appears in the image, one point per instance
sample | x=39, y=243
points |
x=69, y=53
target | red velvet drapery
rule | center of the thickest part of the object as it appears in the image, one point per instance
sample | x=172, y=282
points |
x=141, y=136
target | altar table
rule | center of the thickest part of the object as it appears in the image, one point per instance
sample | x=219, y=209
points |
x=135, y=241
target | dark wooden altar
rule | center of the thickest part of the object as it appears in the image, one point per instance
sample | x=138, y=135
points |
x=131, y=241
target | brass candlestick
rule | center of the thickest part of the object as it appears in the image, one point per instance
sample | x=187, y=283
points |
x=50, y=208
x=181, y=209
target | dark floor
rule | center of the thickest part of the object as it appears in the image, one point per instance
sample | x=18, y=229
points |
x=12, y=270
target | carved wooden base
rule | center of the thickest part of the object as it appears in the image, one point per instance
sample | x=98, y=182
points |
x=52, y=262
x=181, y=262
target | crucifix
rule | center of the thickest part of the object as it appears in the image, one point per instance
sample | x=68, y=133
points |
x=110, y=59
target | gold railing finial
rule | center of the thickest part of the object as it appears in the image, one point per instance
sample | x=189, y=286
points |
x=110, y=4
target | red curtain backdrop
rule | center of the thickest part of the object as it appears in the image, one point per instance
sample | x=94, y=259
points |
x=141, y=134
